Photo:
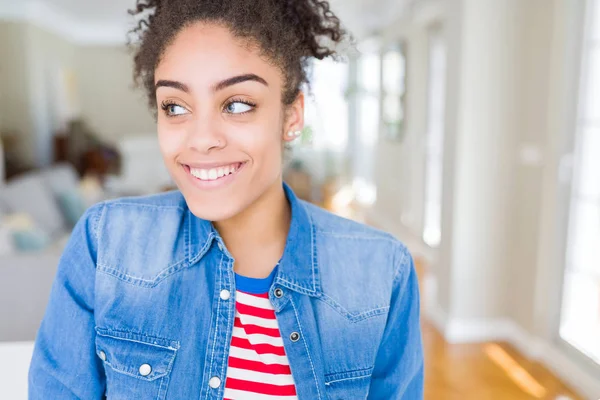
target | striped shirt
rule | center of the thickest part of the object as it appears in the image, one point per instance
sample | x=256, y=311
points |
x=258, y=368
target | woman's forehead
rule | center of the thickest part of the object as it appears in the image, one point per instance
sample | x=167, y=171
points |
x=208, y=53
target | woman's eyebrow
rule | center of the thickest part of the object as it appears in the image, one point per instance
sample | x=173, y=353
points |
x=219, y=86
x=172, y=84
x=238, y=79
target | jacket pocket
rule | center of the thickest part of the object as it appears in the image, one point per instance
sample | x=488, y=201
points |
x=136, y=366
x=355, y=315
x=348, y=385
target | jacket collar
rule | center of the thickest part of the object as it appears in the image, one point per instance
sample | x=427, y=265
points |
x=298, y=268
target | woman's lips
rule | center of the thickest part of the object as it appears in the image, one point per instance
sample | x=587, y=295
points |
x=214, y=173
x=216, y=176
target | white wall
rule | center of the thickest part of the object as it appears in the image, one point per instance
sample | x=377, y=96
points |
x=511, y=93
x=483, y=168
x=109, y=103
x=535, y=25
x=400, y=166
x=33, y=60
x=47, y=56
x=563, y=74
x=14, y=97
x=496, y=106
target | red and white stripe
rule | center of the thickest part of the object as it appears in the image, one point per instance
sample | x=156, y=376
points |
x=258, y=367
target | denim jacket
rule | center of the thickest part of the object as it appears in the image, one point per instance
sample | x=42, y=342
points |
x=137, y=309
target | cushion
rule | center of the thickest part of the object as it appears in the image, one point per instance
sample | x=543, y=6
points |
x=7, y=245
x=72, y=204
x=33, y=239
x=91, y=190
x=143, y=170
x=28, y=194
x=22, y=232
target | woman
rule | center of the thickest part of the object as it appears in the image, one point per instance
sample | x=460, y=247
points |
x=230, y=287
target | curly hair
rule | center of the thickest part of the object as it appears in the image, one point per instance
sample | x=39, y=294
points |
x=288, y=32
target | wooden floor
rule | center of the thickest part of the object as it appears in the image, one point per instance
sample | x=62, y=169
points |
x=487, y=371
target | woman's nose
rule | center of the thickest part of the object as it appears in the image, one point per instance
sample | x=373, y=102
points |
x=206, y=135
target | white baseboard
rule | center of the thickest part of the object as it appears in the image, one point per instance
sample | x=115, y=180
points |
x=570, y=372
x=438, y=318
x=477, y=330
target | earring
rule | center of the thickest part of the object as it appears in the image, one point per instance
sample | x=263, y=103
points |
x=294, y=134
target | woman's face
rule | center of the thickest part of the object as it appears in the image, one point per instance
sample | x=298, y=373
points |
x=221, y=121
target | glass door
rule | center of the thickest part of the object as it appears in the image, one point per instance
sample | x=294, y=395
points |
x=580, y=316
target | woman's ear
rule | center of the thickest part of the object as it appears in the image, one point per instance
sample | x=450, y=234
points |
x=294, y=119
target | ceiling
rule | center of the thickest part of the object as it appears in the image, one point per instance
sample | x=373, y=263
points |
x=99, y=11
x=362, y=17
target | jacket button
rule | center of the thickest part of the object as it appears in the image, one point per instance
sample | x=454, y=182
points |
x=295, y=336
x=214, y=382
x=225, y=294
x=102, y=355
x=278, y=293
x=145, y=369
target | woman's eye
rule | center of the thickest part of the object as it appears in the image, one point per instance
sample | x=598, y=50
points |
x=174, y=110
x=237, y=107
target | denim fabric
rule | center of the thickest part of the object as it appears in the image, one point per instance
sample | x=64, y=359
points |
x=136, y=310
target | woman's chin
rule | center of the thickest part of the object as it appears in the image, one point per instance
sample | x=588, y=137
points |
x=211, y=203
x=214, y=211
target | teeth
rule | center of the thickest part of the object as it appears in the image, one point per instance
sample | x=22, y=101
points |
x=213, y=173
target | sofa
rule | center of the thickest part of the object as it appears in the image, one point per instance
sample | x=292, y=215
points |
x=26, y=276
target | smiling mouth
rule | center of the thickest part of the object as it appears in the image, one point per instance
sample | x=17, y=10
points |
x=216, y=173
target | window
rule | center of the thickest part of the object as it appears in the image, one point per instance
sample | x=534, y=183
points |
x=393, y=91
x=326, y=113
x=366, y=95
x=435, y=142
x=580, y=317
x=369, y=70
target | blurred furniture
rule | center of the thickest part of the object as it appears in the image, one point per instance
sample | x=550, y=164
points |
x=299, y=180
x=14, y=372
x=328, y=191
x=80, y=146
x=26, y=276
x=13, y=163
x=142, y=171
x=2, y=162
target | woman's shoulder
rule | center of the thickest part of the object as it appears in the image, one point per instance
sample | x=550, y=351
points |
x=345, y=239
x=128, y=215
x=139, y=236
x=354, y=258
x=329, y=224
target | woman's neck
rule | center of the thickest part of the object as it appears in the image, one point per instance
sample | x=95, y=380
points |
x=256, y=237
